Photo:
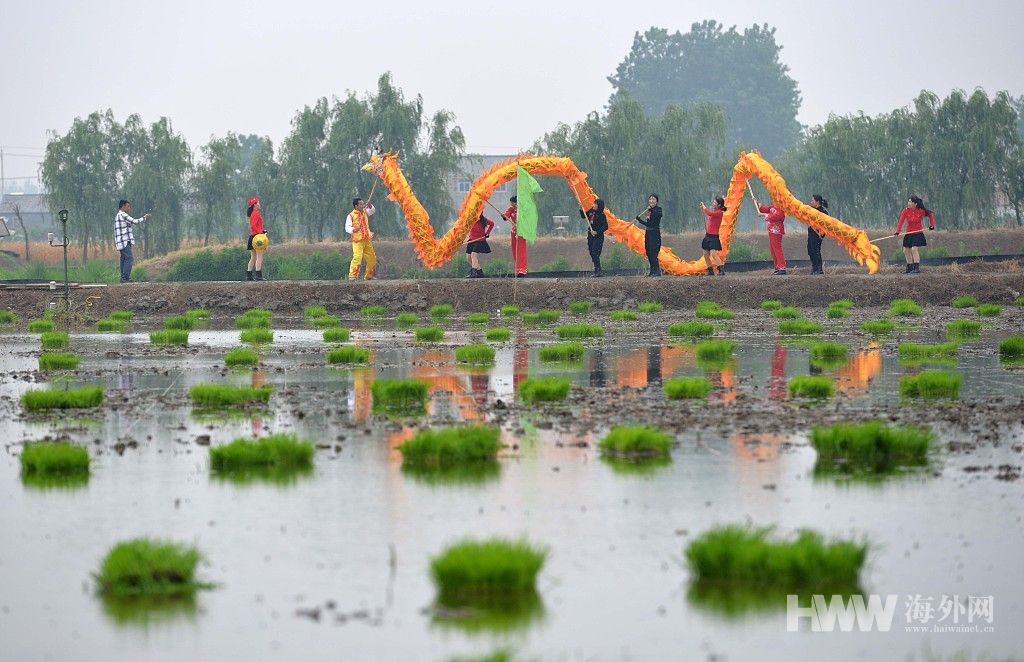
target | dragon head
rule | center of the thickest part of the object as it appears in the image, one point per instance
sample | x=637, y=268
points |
x=377, y=160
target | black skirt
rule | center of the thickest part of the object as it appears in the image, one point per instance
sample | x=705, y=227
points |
x=478, y=247
x=711, y=243
x=248, y=246
x=913, y=240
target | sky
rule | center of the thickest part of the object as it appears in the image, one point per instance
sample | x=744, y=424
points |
x=509, y=71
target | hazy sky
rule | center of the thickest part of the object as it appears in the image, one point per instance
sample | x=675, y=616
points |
x=509, y=71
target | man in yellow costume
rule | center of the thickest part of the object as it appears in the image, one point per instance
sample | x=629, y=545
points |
x=357, y=224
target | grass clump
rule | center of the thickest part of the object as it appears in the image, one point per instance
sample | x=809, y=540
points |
x=476, y=354
x=686, y=388
x=43, y=459
x=799, y=327
x=478, y=318
x=580, y=331
x=877, y=327
x=771, y=305
x=57, y=361
x=742, y=557
x=181, y=322
x=623, y=316
x=111, y=326
x=144, y=568
x=40, y=326
x=76, y=398
x=650, y=307
x=198, y=314
x=715, y=350
x=580, y=307
x=872, y=445
x=931, y=385
x=842, y=303
x=963, y=329
x=8, y=317
x=370, y=312
x=910, y=351
x=487, y=572
x=811, y=386
x=546, y=316
x=452, y=446
x=964, y=302
x=253, y=319
x=325, y=322
x=122, y=315
x=787, y=313
x=441, y=311
x=54, y=340
x=343, y=355
x=337, y=334
x=407, y=396
x=498, y=334
x=905, y=308
x=1012, y=348
x=277, y=451
x=225, y=395
x=1019, y=301
x=564, y=351
x=406, y=320
x=509, y=311
x=836, y=312
x=636, y=442
x=169, y=337
x=828, y=354
x=311, y=312
x=241, y=357
x=257, y=336
x=429, y=334
x=989, y=310
x=692, y=329
x=544, y=389
x=713, y=311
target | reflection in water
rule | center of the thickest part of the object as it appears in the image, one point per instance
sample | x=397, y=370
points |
x=47, y=482
x=777, y=378
x=151, y=611
x=653, y=365
x=863, y=367
x=641, y=468
x=259, y=379
x=477, y=473
x=478, y=618
x=279, y=476
x=734, y=602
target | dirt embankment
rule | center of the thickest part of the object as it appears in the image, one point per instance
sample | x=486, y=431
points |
x=735, y=291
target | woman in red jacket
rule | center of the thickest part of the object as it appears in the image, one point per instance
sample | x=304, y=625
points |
x=913, y=214
x=518, y=243
x=477, y=243
x=776, y=230
x=711, y=243
x=255, y=228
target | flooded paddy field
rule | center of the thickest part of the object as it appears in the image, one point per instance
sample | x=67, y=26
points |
x=334, y=563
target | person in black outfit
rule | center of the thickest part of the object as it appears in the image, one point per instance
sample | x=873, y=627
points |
x=651, y=219
x=598, y=223
x=814, y=237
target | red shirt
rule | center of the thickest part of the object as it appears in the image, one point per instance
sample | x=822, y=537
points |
x=714, y=219
x=481, y=229
x=913, y=217
x=776, y=219
x=256, y=222
x=510, y=214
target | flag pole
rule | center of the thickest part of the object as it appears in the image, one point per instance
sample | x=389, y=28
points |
x=580, y=203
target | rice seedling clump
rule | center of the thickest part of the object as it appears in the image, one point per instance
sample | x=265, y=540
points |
x=343, y=355
x=787, y=313
x=715, y=350
x=836, y=312
x=692, y=329
x=872, y=444
x=636, y=442
x=545, y=316
x=57, y=361
x=337, y=334
x=277, y=451
x=309, y=312
x=964, y=302
x=399, y=396
x=111, y=326
x=931, y=385
x=241, y=356
x=910, y=351
x=226, y=395
x=8, y=317
x=257, y=336
x=442, y=311
x=181, y=322
x=686, y=388
x=877, y=327
x=544, y=389
x=325, y=322
x=580, y=331
x=509, y=310
x=40, y=326
x=829, y=352
x=1019, y=301
x=905, y=308
x=123, y=315
x=54, y=339
x=649, y=307
x=811, y=386
x=580, y=307
x=143, y=567
x=76, y=398
x=963, y=329
x=989, y=310
x=53, y=458
x=406, y=320
x=429, y=334
x=487, y=572
x=623, y=315
x=198, y=314
x=373, y=311
x=799, y=327
x=169, y=337
x=253, y=320
x=771, y=304
x=452, y=446
x=476, y=354
x=564, y=351
x=478, y=318
x=1012, y=348
x=712, y=310
x=498, y=334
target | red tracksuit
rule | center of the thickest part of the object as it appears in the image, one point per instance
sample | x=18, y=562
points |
x=913, y=217
x=776, y=229
x=518, y=243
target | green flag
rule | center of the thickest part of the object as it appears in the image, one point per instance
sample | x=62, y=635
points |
x=526, y=215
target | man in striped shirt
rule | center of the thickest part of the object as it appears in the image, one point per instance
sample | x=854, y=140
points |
x=124, y=237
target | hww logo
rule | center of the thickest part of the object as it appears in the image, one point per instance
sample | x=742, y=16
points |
x=825, y=614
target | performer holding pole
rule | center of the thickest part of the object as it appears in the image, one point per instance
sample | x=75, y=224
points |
x=712, y=243
x=598, y=223
x=477, y=244
x=518, y=243
x=650, y=218
x=357, y=224
x=776, y=230
x=913, y=214
x=814, y=237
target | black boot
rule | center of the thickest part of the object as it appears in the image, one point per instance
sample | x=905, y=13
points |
x=711, y=272
x=480, y=273
x=721, y=270
x=472, y=273
x=597, y=272
x=917, y=267
x=910, y=268
x=248, y=275
x=259, y=275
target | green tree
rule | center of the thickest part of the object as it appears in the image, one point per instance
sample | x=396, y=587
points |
x=216, y=190
x=739, y=71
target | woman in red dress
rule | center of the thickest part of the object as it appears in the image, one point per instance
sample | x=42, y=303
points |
x=913, y=214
